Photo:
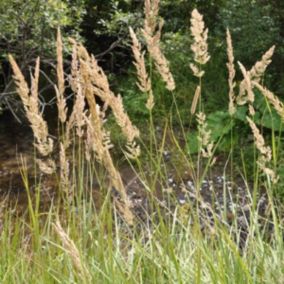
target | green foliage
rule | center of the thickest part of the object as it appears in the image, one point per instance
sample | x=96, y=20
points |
x=255, y=26
x=27, y=28
x=252, y=25
x=222, y=125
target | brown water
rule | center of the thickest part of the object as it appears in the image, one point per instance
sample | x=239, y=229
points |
x=17, y=154
x=15, y=148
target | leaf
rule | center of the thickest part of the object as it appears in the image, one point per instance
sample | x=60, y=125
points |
x=192, y=142
x=220, y=123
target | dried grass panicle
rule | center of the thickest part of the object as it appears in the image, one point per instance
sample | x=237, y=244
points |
x=77, y=117
x=257, y=71
x=195, y=100
x=43, y=143
x=21, y=84
x=265, y=152
x=133, y=150
x=199, y=45
x=78, y=111
x=248, y=96
x=150, y=101
x=64, y=170
x=122, y=119
x=45, y=147
x=61, y=102
x=277, y=104
x=151, y=11
x=99, y=140
x=71, y=250
x=204, y=136
x=116, y=104
x=152, y=34
x=46, y=166
x=61, y=105
x=98, y=85
x=74, y=77
x=232, y=73
x=96, y=137
x=33, y=98
x=144, y=83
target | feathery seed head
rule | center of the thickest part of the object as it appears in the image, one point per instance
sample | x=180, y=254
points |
x=144, y=83
x=277, y=104
x=71, y=250
x=43, y=143
x=199, y=45
x=265, y=152
x=232, y=73
x=204, y=136
x=256, y=72
x=248, y=96
x=152, y=34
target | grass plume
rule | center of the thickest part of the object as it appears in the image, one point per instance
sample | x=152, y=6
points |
x=152, y=34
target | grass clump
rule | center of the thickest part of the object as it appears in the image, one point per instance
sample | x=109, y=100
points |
x=157, y=226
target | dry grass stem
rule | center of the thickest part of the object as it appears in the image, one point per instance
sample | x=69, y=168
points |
x=199, y=45
x=232, y=73
x=195, y=100
x=265, y=152
x=152, y=34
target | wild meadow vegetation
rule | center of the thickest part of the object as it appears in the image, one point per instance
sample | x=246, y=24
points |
x=204, y=200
